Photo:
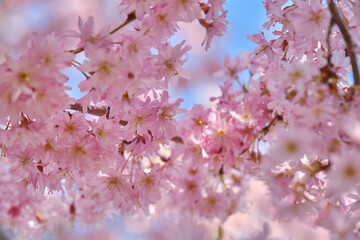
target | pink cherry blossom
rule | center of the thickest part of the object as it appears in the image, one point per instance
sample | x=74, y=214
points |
x=278, y=146
x=89, y=37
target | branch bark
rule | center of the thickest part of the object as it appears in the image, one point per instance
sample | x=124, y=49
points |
x=339, y=21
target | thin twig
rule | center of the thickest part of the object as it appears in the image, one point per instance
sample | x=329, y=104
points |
x=130, y=17
x=338, y=19
x=7, y=125
x=76, y=51
x=126, y=161
x=77, y=67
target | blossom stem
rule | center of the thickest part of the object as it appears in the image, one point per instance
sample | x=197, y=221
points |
x=337, y=18
x=87, y=76
x=123, y=167
x=131, y=170
x=7, y=125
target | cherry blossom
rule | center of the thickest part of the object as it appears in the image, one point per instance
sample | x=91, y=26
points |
x=289, y=125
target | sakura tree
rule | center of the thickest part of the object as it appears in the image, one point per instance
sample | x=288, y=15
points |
x=290, y=133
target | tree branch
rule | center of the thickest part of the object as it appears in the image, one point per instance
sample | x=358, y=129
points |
x=328, y=41
x=337, y=18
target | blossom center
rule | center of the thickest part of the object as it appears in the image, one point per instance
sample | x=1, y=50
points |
x=24, y=77
x=79, y=150
x=170, y=66
x=350, y=172
x=48, y=147
x=113, y=183
x=221, y=133
x=290, y=147
x=316, y=17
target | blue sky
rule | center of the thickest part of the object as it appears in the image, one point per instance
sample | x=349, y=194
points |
x=245, y=18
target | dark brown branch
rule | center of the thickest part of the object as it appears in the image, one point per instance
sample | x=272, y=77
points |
x=337, y=18
x=97, y=111
x=76, y=51
x=130, y=17
x=328, y=41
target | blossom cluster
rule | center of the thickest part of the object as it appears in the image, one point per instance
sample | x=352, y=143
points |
x=293, y=126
